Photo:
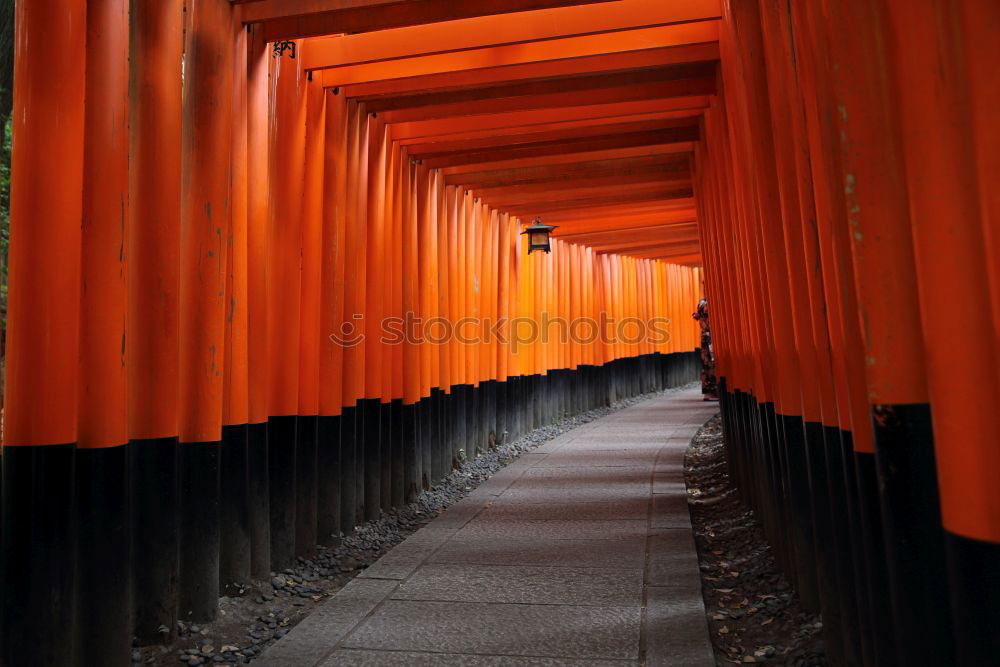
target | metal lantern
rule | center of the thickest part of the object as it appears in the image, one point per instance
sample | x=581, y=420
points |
x=538, y=236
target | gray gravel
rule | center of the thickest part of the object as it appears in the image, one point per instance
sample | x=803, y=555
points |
x=754, y=616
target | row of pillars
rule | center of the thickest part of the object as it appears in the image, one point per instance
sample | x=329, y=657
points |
x=206, y=247
x=849, y=204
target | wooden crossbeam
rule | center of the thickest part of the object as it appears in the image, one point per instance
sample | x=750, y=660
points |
x=504, y=141
x=292, y=19
x=490, y=31
x=582, y=145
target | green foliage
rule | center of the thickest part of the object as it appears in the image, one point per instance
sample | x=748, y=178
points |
x=5, y=147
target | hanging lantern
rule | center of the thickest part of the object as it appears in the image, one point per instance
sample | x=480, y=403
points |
x=538, y=236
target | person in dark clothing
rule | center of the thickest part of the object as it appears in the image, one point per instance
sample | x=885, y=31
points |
x=708, y=383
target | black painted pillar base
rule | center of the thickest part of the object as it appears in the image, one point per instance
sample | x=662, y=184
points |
x=914, y=536
x=974, y=574
x=410, y=436
x=328, y=480
x=385, y=455
x=305, y=486
x=537, y=398
x=513, y=408
x=198, y=580
x=463, y=393
x=450, y=418
x=883, y=632
x=283, y=501
x=490, y=387
x=234, y=509
x=481, y=432
x=397, y=485
x=864, y=588
x=439, y=455
x=827, y=577
x=349, y=430
x=155, y=538
x=844, y=549
x=801, y=508
x=425, y=425
x=259, y=501
x=473, y=422
x=39, y=539
x=370, y=408
x=502, y=417
x=103, y=593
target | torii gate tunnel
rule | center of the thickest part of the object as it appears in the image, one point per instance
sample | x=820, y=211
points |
x=267, y=281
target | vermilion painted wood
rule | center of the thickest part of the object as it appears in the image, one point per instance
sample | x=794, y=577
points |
x=694, y=41
x=43, y=348
x=313, y=194
x=154, y=199
x=306, y=18
x=438, y=146
x=464, y=72
x=103, y=265
x=678, y=150
x=466, y=34
x=205, y=181
x=236, y=384
x=519, y=122
x=285, y=179
x=691, y=87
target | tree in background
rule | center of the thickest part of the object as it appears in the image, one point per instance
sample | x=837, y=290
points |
x=6, y=106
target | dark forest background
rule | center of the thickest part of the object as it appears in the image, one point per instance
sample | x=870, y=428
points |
x=6, y=105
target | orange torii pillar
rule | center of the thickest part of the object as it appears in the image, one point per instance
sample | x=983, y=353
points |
x=425, y=311
x=258, y=370
x=784, y=413
x=352, y=330
x=448, y=239
x=153, y=344
x=43, y=335
x=882, y=250
x=102, y=480
x=440, y=333
x=206, y=138
x=234, y=503
x=488, y=358
x=957, y=282
x=806, y=412
x=306, y=432
x=410, y=435
x=980, y=550
x=390, y=483
x=284, y=294
x=501, y=330
x=392, y=486
x=331, y=360
x=864, y=529
x=371, y=216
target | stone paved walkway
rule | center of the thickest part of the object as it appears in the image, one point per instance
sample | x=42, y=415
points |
x=578, y=553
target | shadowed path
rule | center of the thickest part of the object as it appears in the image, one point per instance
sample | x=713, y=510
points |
x=578, y=553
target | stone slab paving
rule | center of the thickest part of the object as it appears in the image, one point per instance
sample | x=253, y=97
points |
x=578, y=553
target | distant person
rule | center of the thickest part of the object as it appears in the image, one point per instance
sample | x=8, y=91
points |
x=708, y=383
